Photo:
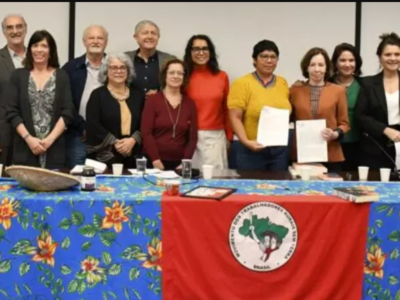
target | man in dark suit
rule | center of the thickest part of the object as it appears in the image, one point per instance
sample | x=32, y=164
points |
x=147, y=61
x=11, y=57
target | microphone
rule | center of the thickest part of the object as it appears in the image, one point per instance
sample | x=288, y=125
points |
x=395, y=172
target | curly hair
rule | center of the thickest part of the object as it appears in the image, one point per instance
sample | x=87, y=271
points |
x=212, y=63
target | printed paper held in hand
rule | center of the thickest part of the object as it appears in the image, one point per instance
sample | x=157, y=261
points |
x=311, y=147
x=273, y=127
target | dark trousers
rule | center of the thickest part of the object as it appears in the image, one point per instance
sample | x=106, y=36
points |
x=375, y=162
x=6, y=156
x=334, y=166
x=268, y=159
x=76, y=149
x=351, y=153
x=232, y=155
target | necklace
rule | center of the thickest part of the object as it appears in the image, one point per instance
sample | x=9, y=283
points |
x=170, y=116
x=117, y=96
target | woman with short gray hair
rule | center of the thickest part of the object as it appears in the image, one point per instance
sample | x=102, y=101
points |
x=113, y=114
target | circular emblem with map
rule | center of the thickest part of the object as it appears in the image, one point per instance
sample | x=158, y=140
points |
x=263, y=236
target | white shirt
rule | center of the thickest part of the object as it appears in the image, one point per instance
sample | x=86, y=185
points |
x=393, y=106
x=92, y=83
x=17, y=60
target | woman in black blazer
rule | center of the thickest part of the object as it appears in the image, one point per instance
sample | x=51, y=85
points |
x=378, y=108
x=113, y=114
x=39, y=105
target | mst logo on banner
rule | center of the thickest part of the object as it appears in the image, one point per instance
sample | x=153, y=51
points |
x=263, y=236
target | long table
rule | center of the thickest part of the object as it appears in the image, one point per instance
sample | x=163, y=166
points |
x=108, y=244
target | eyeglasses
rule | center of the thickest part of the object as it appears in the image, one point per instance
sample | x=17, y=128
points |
x=199, y=49
x=268, y=57
x=115, y=69
x=173, y=73
x=17, y=27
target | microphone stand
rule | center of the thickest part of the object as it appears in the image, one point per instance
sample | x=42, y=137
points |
x=394, y=174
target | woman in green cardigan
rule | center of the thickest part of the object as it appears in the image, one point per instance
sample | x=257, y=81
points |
x=347, y=63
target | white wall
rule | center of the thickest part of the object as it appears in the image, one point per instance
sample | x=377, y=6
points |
x=377, y=18
x=233, y=27
x=52, y=16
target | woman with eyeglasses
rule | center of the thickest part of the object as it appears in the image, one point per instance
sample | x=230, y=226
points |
x=113, y=114
x=247, y=97
x=377, y=111
x=208, y=87
x=169, y=121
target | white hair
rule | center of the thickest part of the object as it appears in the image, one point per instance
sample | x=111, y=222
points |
x=3, y=24
x=103, y=73
x=85, y=32
x=143, y=23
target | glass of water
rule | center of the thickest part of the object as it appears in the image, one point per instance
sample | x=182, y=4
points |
x=141, y=165
x=186, y=169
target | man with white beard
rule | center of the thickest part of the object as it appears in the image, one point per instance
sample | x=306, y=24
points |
x=83, y=74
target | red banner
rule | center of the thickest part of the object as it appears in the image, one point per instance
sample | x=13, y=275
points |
x=263, y=247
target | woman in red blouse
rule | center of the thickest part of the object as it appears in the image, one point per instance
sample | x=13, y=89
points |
x=169, y=120
x=208, y=87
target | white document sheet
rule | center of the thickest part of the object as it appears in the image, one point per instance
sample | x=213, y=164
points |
x=311, y=147
x=134, y=172
x=397, y=145
x=273, y=127
x=157, y=173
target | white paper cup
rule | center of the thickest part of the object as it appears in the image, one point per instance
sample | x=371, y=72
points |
x=363, y=173
x=208, y=171
x=117, y=169
x=385, y=174
x=1, y=170
x=305, y=172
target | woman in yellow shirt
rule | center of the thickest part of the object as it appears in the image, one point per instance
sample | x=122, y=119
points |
x=247, y=97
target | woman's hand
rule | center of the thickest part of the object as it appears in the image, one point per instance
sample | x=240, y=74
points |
x=35, y=145
x=392, y=134
x=125, y=146
x=329, y=134
x=254, y=146
x=158, y=164
x=47, y=142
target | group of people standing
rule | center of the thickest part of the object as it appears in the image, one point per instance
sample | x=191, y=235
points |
x=120, y=106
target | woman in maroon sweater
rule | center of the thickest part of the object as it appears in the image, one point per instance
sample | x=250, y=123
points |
x=169, y=120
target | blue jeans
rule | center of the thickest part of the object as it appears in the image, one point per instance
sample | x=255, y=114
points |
x=76, y=149
x=269, y=159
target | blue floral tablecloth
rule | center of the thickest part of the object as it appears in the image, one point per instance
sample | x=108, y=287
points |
x=107, y=244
